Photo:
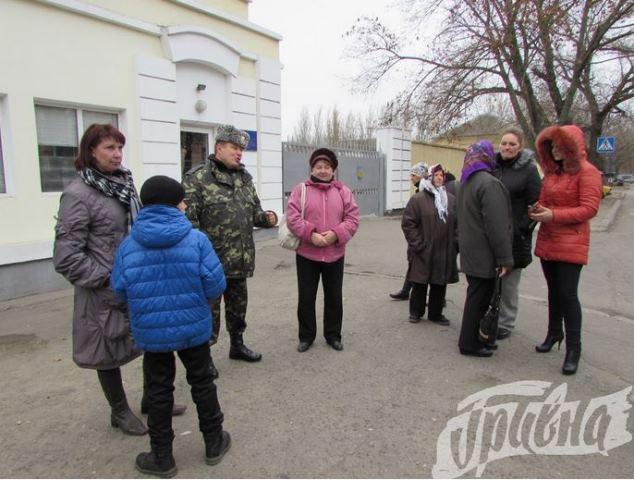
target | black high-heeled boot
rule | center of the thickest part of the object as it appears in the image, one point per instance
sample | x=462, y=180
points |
x=550, y=340
x=571, y=363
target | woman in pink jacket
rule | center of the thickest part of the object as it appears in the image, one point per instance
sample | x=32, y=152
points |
x=330, y=219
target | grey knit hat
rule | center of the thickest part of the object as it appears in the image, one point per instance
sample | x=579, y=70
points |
x=420, y=170
x=229, y=133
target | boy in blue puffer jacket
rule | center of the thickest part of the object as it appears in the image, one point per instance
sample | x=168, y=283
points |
x=167, y=271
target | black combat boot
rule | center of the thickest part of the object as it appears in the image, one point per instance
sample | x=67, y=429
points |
x=121, y=416
x=216, y=447
x=158, y=464
x=239, y=351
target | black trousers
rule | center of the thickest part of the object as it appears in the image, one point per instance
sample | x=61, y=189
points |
x=159, y=370
x=418, y=299
x=563, y=303
x=308, y=274
x=479, y=292
x=236, y=300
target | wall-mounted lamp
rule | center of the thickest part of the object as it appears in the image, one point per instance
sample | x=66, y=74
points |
x=200, y=106
x=200, y=87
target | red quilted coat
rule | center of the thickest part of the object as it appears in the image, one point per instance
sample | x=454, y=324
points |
x=572, y=190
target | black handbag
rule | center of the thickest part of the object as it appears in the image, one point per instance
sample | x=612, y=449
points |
x=488, y=331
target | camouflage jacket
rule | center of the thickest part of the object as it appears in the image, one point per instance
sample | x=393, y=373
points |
x=223, y=204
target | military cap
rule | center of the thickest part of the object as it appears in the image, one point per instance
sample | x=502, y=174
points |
x=229, y=133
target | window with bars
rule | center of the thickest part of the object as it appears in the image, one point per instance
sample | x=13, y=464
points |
x=59, y=130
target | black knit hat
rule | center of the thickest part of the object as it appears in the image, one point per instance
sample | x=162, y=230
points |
x=324, y=154
x=163, y=190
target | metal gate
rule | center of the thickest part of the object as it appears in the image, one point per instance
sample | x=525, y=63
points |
x=361, y=170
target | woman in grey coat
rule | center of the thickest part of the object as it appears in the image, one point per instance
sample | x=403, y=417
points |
x=96, y=210
x=485, y=235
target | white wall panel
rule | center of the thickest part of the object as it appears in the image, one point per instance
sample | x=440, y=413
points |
x=244, y=121
x=272, y=174
x=270, y=70
x=159, y=131
x=161, y=152
x=243, y=85
x=156, y=67
x=243, y=104
x=158, y=110
x=270, y=159
x=271, y=142
x=150, y=87
x=270, y=109
x=270, y=190
x=151, y=169
x=270, y=91
x=270, y=125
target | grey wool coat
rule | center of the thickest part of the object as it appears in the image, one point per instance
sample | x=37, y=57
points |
x=431, y=243
x=485, y=226
x=89, y=228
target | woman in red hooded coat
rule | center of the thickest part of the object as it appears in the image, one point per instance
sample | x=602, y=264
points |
x=570, y=196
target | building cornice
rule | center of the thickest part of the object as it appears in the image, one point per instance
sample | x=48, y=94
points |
x=221, y=14
x=105, y=15
x=115, y=18
x=214, y=36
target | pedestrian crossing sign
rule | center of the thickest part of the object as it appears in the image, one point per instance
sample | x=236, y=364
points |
x=606, y=145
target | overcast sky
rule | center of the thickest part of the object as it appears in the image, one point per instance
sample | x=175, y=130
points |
x=315, y=70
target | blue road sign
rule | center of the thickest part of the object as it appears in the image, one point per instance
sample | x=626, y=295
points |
x=606, y=145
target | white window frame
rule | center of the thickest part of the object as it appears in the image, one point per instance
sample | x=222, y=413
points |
x=210, y=131
x=79, y=108
x=7, y=147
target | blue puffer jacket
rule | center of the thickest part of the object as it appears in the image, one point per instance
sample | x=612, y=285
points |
x=166, y=271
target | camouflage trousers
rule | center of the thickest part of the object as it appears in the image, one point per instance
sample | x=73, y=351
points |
x=235, y=297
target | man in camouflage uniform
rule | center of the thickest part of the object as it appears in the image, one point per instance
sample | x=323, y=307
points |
x=222, y=202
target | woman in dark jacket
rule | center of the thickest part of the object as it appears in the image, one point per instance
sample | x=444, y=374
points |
x=485, y=234
x=96, y=211
x=570, y=197
x=429, y=226
x=517, y=171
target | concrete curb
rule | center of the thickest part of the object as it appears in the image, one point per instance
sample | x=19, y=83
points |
x=604, y=223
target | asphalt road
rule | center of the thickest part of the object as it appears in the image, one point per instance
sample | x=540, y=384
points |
x=384, y=407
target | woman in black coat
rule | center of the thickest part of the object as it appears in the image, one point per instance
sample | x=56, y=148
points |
x=517, y=171
x=429, y=226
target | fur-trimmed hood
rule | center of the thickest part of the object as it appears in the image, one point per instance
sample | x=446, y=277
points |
x=571, y=143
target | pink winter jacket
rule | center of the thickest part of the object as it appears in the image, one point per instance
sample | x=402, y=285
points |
x=329, y=206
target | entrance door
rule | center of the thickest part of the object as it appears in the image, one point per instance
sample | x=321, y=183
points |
x=194, y=149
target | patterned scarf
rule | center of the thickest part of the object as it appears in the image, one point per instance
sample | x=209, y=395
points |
x=479, y=156
x=440, y=197
x=124, y=191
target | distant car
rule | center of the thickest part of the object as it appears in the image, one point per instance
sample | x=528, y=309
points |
x=626, y=177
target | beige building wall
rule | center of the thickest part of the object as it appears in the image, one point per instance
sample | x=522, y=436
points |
x=450, y=157
x=463, y=141
x=55, y=55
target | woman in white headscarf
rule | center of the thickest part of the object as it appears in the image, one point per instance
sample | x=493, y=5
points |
x=429, y=225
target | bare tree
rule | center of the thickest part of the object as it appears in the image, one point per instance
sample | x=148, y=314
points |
x=555, y=61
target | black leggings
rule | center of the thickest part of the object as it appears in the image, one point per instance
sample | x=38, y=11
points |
x=563, y=303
